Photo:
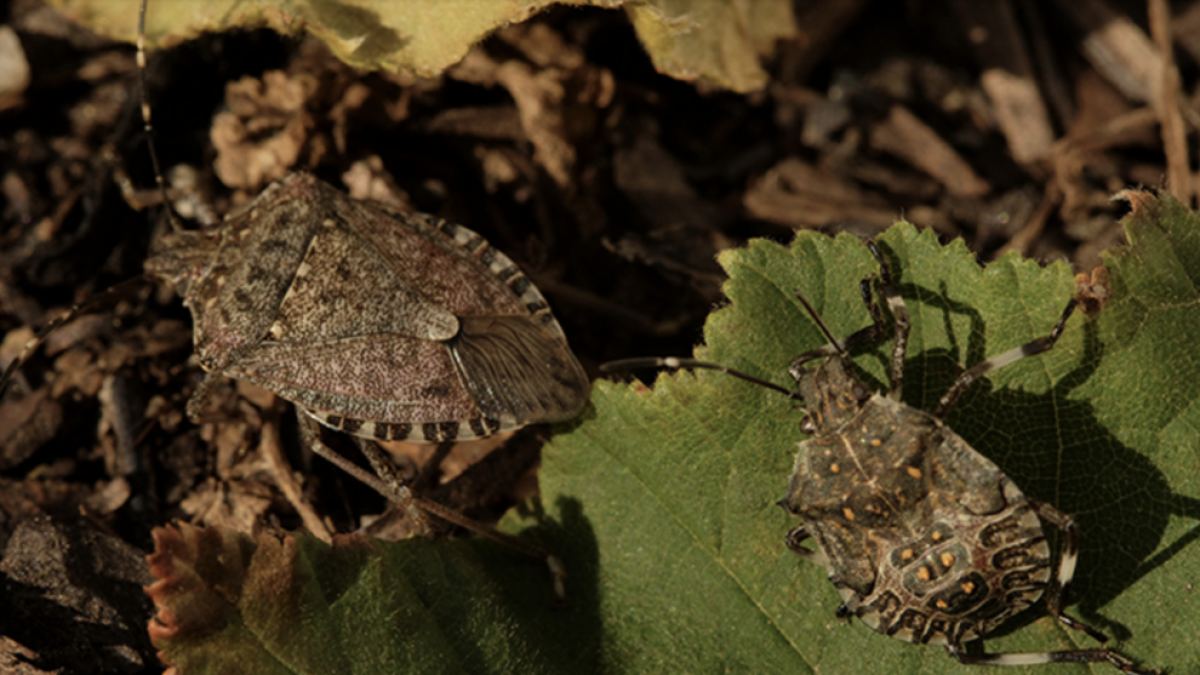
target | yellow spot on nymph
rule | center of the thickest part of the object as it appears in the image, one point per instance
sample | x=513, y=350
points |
x=875, y=442
x=914, y=472
x=936, y=536
x=968, y=587
x=942, y=604
x=947, y=559
x=834, y=468
x=923, y=573
x=848, y=513
x=906, y=554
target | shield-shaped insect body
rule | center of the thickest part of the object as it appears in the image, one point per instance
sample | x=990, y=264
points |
x=925, y=539
x=384, y=325
x=381, y=324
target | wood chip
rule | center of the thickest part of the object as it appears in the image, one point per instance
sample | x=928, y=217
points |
x=797, y=194
x=1008, y=78
x=1118, y=48
x=910, y=139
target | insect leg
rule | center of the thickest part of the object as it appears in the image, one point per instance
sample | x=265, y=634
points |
x=895, y=303
x=391, y=486
x=872, y=333
x=795, y=540
x=310, y=434
x=398, y=490
x=835, y=346
x=183, y=180
x=1098, y=655
x=1057, y=594
x=1056, y=600
x=964, y=381
x=199, y=399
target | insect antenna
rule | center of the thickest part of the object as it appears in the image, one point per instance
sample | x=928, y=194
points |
x=120, y=289
x=623, y=365
x=91, y=303
x=834, y=346
x=147, y=127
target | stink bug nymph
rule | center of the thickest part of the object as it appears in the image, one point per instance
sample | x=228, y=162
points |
x=925, y=539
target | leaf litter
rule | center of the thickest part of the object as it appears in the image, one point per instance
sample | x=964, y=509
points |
x=515, y=142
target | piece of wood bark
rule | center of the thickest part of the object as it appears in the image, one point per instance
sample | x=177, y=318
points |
x=1008, y=78
x=907, y=137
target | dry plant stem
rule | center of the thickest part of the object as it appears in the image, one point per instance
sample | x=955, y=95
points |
x=1111, y=133
x=1071, y=153
x=1185, y=30
x=1174, y=135
x=797, y=194
x=285, y=479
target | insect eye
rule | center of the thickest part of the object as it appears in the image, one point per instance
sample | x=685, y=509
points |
x=807, y=425
x=861, y=392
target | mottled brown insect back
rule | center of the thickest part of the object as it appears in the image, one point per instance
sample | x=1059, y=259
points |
x=925, y=539
x=910, y=515
x=384, y=325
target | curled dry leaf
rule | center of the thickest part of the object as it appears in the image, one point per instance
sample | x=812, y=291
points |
x=260, y=137
x=1093, y=290
x=716, y=41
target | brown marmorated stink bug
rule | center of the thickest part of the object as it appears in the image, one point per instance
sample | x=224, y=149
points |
x=925, y=539
x=383, y=325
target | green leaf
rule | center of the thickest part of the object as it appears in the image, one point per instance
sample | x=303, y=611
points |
x=719, y=41
x=229, y=603
x=678, y=483
x=661, y=502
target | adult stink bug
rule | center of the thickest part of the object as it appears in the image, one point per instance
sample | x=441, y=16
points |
x=381, y=324
x=925, y=539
